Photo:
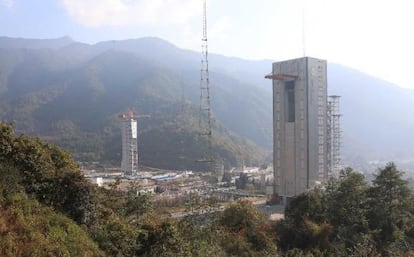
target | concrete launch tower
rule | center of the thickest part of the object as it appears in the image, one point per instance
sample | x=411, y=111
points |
x=300, y=125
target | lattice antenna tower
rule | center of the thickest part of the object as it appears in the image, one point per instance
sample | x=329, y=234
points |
x=205, y=107
x=334, y=135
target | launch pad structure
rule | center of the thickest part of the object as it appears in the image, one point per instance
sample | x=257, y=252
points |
x=129, y=163
x=306, y=126
x=334, y=136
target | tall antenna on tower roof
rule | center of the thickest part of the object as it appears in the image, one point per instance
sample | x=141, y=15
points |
x=303, y=30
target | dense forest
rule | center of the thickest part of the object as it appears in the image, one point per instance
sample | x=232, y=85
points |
x=47, y=208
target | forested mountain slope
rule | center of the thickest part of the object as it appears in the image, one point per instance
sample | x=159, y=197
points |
x=71, y=92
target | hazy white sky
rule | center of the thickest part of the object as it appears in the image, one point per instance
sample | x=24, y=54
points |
x=374, y=36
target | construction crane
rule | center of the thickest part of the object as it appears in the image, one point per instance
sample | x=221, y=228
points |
x=129, y=164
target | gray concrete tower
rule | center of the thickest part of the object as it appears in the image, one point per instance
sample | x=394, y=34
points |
x=299, y=124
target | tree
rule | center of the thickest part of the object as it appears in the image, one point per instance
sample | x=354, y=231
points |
x=203, y=240
x=160, y=237
x=72, y=194
x=48, y=173
x=390, y=207
x=9, y=180
x=305, y=224
x=6, y=140
x=310, y=205
x=242, y=181
x=346, y=200
x=136, y=205
x=247, y=232
x=29, y=228
x=113, y=235
x=226, y=177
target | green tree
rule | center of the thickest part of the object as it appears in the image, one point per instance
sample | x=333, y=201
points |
x=346, y=200
x=160, y=237
x=29, y=228
x=241, y=182
x=136, y=205
x=9, y=180
x=6, y=140
x=113, y=235
x=48, y=173
x=390, y=208
x=203, y=240
x=305, y=224
x=226, y=177
x=72, y=194
x=247, y=231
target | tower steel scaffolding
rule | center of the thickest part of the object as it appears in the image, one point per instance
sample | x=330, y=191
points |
x=129, y=164
x=322, y=137
x=334, y=136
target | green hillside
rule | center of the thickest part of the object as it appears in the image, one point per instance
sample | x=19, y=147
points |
x=71, y=93
x=74, y=99
x=49, y=209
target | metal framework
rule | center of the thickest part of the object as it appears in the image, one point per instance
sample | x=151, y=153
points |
x=334, y=136
x=322, y=137
x=129, y=164
x=205, y=107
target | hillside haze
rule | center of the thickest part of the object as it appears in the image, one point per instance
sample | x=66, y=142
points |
x=377, y=123
x=71, y=93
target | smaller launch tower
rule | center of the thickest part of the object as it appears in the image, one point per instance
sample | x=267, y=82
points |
x=129, y=164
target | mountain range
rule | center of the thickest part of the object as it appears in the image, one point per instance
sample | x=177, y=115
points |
x=71, y=93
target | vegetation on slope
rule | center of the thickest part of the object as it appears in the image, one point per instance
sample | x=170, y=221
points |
x=47, y=208
x=43, y=200
x=29, y=228
x=75, y=105
x=352, y=218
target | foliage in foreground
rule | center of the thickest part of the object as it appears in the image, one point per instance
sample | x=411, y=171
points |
x=352, y=218
x=47, y=208
x=30, y=229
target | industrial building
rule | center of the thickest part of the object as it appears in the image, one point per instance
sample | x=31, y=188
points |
x=302, y=145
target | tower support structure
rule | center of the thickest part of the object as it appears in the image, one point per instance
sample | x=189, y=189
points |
x=129, y=163
x=334, y=136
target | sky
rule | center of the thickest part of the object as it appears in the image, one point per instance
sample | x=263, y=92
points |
x=373, y=36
